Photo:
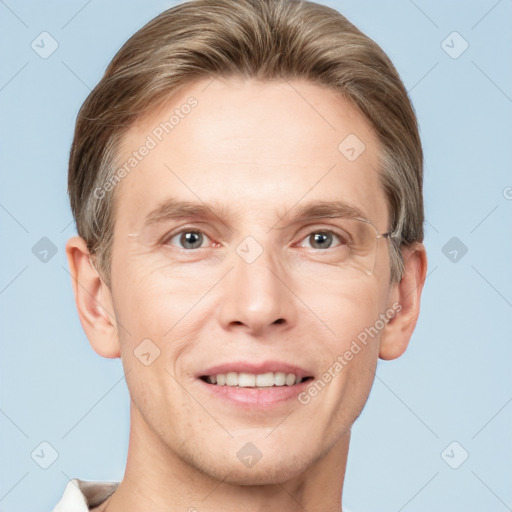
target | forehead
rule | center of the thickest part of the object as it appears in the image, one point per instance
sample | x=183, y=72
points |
x=260, y=148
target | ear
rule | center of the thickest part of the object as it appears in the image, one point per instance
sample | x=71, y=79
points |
x=406, y=296
x=93, y=300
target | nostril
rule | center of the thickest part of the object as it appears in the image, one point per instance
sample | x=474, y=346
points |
x=279, y=321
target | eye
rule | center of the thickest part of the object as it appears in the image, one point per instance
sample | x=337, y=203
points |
x=323, y=239
x=188, y=239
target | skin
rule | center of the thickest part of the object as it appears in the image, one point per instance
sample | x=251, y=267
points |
x=259, y=150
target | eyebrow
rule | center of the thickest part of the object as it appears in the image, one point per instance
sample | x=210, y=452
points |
x=173, y=209
x=326, y=209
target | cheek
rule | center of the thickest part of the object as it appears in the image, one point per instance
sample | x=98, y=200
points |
x=346, y=307
x=349, y=353
x=153, y=294
x=162, y=313
x=155, y=335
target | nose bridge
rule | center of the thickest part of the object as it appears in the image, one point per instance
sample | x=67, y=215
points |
x=256, y=294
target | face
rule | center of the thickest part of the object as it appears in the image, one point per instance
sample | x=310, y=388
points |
x=236, y=284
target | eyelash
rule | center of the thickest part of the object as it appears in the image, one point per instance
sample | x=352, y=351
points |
x=192, y=229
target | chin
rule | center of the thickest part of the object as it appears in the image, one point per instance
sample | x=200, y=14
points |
x=272, y=472
x=276, y=469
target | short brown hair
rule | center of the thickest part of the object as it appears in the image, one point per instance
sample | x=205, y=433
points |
x=262, y=39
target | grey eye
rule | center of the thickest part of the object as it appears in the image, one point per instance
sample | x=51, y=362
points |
x=189, y=239
x=320, y=240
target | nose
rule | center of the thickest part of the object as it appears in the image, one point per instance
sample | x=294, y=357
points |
x=256, y=296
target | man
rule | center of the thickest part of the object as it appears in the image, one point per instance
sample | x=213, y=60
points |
x=246, y=181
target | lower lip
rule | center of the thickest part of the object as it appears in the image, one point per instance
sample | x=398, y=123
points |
x=256, y=398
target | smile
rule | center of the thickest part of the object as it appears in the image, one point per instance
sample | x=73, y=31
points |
x=251, y=380
x=255, y=385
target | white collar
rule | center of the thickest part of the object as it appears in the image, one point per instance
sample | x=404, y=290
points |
x=82, y=495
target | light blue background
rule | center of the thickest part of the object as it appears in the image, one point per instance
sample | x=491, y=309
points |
x=454, y=383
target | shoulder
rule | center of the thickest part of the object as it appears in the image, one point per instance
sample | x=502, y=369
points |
x=83, y=496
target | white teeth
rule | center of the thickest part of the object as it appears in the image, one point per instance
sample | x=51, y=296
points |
x=279, y=378
x=290, y=379
x=232, y=379
x=265, y=380
x=250, y=380
x=246, y=380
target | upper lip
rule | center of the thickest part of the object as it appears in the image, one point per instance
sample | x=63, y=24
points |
x=255, y=368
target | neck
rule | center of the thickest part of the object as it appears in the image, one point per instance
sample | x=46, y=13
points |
x=157, y=479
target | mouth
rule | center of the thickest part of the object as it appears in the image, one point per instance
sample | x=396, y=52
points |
x=255, y=385
x=254, y=381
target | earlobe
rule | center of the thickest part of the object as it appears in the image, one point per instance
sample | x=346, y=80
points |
x=93, y=300
x=407, y=294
